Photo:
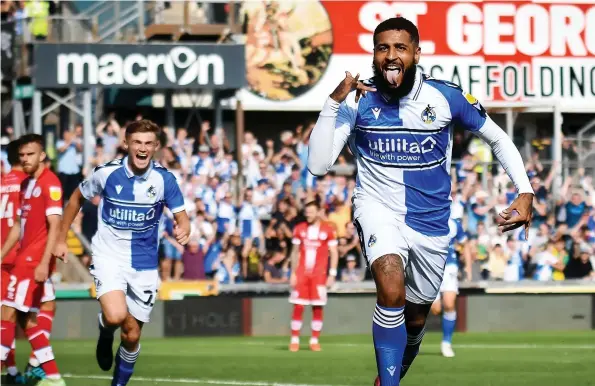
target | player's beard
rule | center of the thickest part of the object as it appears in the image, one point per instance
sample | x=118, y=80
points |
x=395, y=92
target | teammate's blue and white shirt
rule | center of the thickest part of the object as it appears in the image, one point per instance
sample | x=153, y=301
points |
x=457, y=235
x=407, y=145
x=130, y=211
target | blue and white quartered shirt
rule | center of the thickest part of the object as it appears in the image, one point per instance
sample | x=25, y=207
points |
x=130, y=211
x=403, y=148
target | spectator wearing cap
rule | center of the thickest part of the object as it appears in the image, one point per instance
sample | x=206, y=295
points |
x=351, y=274
x=203, y=164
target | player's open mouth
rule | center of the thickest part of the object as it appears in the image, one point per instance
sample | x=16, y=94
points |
x=142, y=157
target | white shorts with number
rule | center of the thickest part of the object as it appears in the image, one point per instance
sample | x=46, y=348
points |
x=423, y=256
x=450, y=282
x=140, y=287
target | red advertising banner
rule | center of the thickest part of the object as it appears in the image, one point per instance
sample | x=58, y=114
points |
x=514, y=52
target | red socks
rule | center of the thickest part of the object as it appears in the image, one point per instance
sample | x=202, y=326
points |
x=43, y=351
x=316, y=323
x=45, y=319
x=296, y=322
x=6, y=339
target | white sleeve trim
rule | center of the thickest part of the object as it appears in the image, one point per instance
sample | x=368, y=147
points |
x=53, y=211
x=296, y=241
x=507, y=153
x=333, y=243
x=178, y=209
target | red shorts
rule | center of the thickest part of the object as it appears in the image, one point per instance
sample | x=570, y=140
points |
x=309, y=290
x=21, y=292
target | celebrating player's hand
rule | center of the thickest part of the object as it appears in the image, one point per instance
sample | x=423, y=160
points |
x=182, y=235
x=519, y=213
x=42, y=272
x=349, y=84
x=61, y=251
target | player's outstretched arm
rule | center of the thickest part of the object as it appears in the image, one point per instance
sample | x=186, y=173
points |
x=70, y=212
x=520, y=212
x=333, y=126
x=468, y=112
x=12, y=238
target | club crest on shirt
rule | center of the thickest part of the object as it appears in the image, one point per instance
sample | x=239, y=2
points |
x=151, y=192
x=371, y=241
x=37, y=191
x=428, y=115
x=55, y=193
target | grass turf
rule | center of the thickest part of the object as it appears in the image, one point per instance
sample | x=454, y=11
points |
x=528, y=359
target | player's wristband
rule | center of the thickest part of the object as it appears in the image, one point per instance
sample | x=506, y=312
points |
x=332, y=272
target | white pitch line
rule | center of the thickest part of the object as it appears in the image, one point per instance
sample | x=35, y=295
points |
x=190, y=381
x=464, y=346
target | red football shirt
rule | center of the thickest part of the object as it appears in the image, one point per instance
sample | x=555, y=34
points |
x=40, y=198
x=314, y=242
x=10, y=202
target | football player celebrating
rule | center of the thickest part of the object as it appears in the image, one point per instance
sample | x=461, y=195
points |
x=400, y=133
x=125, y=263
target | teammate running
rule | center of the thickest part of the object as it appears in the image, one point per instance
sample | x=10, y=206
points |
x=399, y=126
x=449, y=289
x=133, y=193
x=37, y=224
x=310, y=276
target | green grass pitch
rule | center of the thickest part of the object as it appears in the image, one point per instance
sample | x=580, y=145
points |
x=527, y=359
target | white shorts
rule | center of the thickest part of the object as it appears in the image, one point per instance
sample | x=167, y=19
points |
x=450, y=282
x=140, y=287
x=423, y=256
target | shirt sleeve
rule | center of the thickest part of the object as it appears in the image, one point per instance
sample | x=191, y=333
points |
x=467, y=112
x=330, y=134
x=93, y=185
x=507, y=153
x=53, y=197
x=172, y=194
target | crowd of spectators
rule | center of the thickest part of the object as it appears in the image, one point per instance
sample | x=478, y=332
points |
x=245, y=235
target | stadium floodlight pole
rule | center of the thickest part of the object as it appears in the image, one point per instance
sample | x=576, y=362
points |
x=88, y=132
x=558, y=120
